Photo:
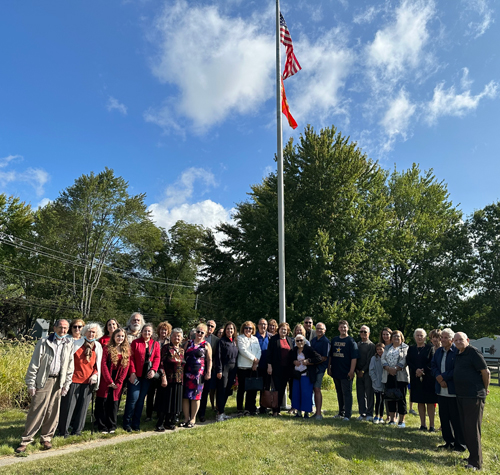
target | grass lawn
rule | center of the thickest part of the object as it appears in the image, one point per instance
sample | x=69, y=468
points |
x=264, y=445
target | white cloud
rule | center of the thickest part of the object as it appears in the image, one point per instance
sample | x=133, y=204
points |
x=396, y=120
x=36, y=177
x=207, y=213
x=182, y=190
x=220, y=65
x=481, y=7
x=366, y=16
x=398, y=49
x=465, y=82
x=448, y=102
x=326, y=65
x=114, y=104
x=43, y=202
x=176, y=204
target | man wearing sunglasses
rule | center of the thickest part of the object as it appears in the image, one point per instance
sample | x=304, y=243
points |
x=308, y=325
x=364, y=388
x=49, y=375
x=210, y=385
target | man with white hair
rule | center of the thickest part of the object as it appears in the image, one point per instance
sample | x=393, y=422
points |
x=442, y=366
x=364, y=388
x=134, y=326
x=49, y=375
x=472, y=378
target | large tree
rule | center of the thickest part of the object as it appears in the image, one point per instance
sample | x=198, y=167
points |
x=428, y=250
x=91, y=223
x=480, y=313
x=335, y=203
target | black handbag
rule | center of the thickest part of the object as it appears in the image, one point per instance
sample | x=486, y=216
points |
x=254, y=384
x=393, y=394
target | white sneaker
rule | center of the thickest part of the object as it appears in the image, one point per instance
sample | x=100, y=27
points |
x=219, y=418
x=375, y=420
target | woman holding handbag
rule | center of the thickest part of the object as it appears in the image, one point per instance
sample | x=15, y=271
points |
x=304, y=360
x=395, y=377
x=279, y=362
x=144, y=363
x=114, y=370
x=249, y=354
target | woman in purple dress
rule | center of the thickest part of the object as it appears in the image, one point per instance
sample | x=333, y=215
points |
x=198, y=355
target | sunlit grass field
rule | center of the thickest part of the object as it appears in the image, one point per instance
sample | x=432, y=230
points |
x=264, y=445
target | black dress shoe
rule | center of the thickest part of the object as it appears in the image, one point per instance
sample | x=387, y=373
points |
x=160, y=429
x=422, y=428
x=445, y=446
x=203, y=419
x=128, y=429
x=458, y=448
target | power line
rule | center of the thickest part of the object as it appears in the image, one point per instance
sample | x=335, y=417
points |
x=106, y=290
x=86, y=261
x=65, y=261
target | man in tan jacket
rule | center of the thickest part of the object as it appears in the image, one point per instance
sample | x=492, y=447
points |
x=49, y=375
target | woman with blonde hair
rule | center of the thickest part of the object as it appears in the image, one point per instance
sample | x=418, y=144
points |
x=249, y=354
x=395, y=377
x=114, y=369
x=272, y=326
x=198, y=355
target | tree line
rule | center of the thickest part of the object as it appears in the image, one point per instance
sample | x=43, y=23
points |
x=363, y=244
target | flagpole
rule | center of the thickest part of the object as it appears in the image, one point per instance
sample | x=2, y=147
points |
x=281, y=203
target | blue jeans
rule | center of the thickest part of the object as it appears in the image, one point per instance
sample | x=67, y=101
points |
x=135, y=403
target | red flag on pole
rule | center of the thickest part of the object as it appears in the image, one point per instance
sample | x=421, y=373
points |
x=292, y=66
x=285, y=109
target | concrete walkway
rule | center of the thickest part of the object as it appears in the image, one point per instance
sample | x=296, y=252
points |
x=14, y=459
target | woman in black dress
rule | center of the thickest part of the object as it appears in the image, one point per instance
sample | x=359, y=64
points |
x=225, y=360
x=422, y=382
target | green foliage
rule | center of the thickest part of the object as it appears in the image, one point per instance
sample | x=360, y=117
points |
x=481, y=312
x=335, y=203
x=428, y=252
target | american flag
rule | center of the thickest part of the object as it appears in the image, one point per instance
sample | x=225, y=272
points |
x=292, y=66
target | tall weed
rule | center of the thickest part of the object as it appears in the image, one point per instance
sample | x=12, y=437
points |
x=15, y=356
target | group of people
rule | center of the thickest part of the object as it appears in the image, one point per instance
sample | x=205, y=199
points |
x=177, y=375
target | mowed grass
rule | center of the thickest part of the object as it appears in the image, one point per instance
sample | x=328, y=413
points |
x=264, y=445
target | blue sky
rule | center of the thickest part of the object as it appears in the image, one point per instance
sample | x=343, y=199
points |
x=177, y=96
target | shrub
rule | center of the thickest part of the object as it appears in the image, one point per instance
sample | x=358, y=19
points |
x=327, y=382
x=15, y=356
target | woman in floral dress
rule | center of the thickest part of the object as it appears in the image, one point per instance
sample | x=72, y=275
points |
x=198, y=355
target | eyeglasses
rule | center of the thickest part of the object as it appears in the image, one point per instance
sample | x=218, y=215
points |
x=363, y=331
x=200, y=332
x=308, y=323
x=247, y=328
x=77, y=326
x=211, y=326
x=299, y=341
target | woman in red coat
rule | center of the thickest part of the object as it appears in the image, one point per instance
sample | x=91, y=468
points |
x=114, y=369
x=144, y=363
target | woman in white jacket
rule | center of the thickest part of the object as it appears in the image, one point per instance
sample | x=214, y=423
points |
x=395, y=376
x=249, y=354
